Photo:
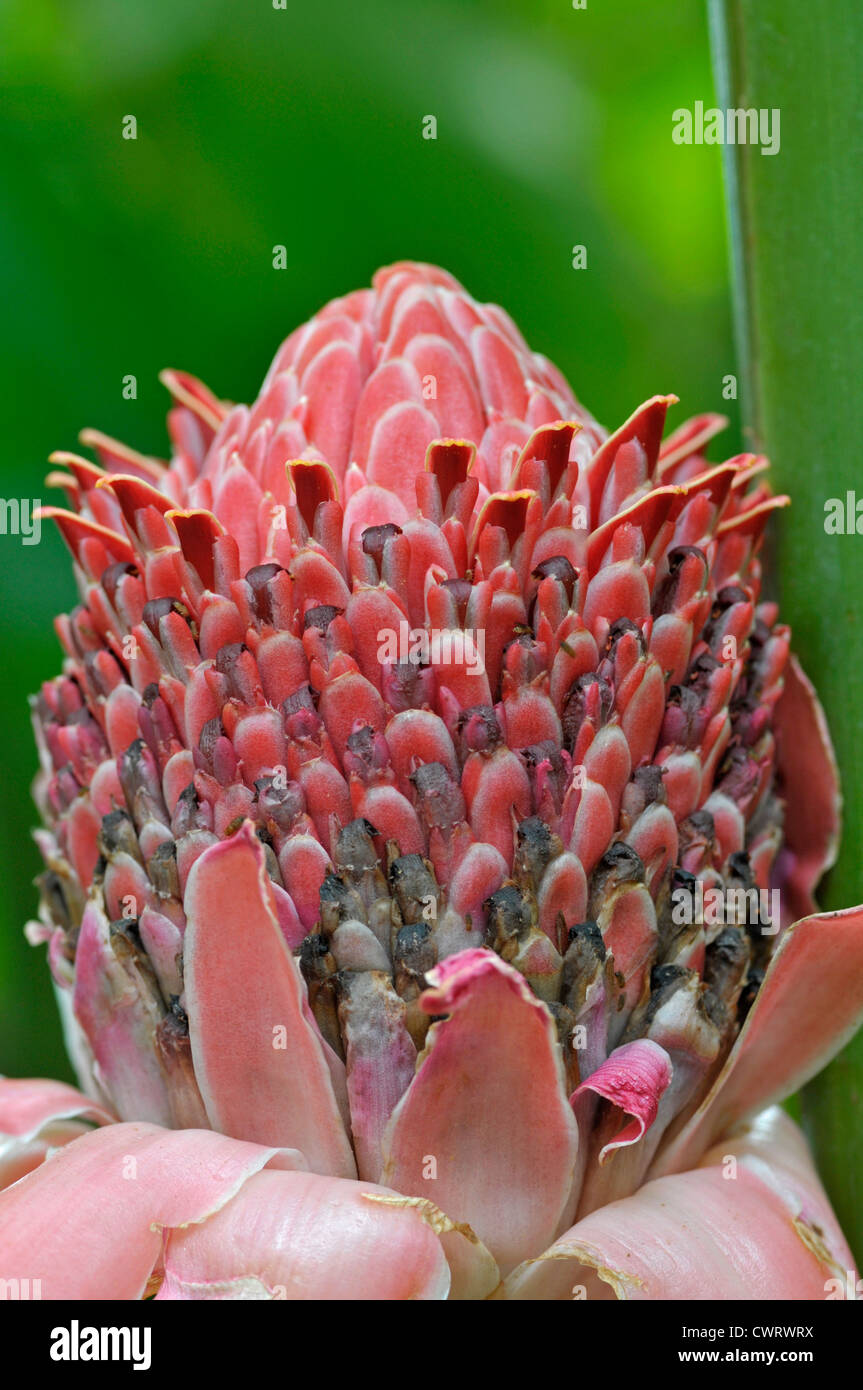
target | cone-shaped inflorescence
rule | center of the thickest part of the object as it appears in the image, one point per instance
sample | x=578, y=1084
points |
x=471, y=671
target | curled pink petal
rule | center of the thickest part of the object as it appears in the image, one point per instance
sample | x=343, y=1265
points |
x=634, y=1079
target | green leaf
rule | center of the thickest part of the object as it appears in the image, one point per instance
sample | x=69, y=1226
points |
x=795, y=233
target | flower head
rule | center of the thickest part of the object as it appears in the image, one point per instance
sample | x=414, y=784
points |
x=429, y=792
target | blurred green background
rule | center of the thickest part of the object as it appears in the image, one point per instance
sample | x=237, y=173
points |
x=303, y=127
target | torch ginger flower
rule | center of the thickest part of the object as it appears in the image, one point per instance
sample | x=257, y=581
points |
x=371, y=970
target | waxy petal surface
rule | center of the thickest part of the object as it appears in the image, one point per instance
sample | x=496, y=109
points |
x=810, y=1004
x=300, y=1236
x=260, y=1066
x=88, y=1222
x=486, y=1112
x=37, y=1116
x=810, y=779
x=728, y=1231
x=776, y=1150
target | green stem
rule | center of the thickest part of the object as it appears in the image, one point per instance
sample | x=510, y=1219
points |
x=798, y=270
